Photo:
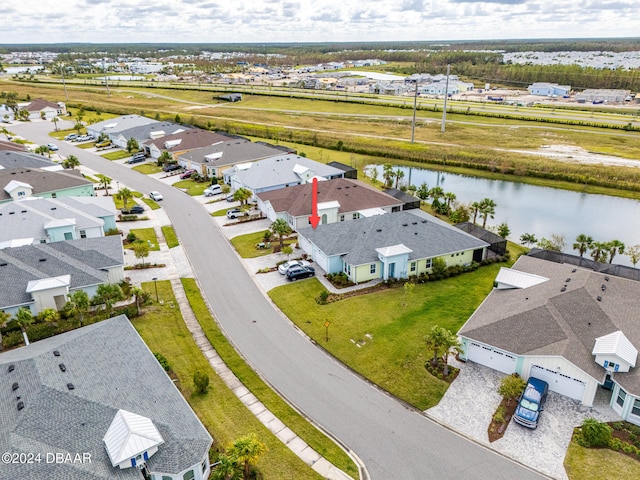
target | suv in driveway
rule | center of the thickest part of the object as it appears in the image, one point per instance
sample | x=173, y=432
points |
x=298, y=271
x=531, y=403
x=187, y=174
x=236, y=212
x=135, y=210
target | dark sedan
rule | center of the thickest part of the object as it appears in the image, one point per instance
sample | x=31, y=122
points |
x=298, y=271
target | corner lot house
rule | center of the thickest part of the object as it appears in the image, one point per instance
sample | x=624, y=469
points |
x=180, y=142
x=97, y=397
x=143, y=133
x=338, y=200
x=20, y=183
x=570, y=326
x=40, y=108
x=397, y=245
x=113, y=127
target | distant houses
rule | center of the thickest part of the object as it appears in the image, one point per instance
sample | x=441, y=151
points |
x=545, y=89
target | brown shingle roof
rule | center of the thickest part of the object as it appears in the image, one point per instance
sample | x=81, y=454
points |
x=194, y=138
x=42, y=181
x=351, y=194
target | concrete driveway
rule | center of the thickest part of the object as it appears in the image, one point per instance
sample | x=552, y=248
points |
x=471, y=400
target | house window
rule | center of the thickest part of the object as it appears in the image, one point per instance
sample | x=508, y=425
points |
x=372, y=268
x=342, y=218
x=347, y=269
x=395, y=209
x=54, y=195
x=204, y=465
x=68, y=236
x=413, y=266
x=189, y=475
x=621, y=396
x=429, y=262
x=635, y=410
x=165, y=477
x=83, y=234
x=356, y=216
x=22, y=193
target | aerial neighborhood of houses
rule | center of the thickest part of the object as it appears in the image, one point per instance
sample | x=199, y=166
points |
x=561, y=320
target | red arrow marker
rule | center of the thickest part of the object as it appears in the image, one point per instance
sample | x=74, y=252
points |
x=314, y=219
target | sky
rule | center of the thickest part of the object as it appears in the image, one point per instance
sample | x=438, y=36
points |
x=282, y=21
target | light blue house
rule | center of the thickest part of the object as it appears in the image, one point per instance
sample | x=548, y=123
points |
x=20, y=183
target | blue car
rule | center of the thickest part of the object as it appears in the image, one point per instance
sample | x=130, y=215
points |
x=531, y=403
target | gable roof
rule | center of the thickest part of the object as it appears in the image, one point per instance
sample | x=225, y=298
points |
x=129, y=435
x=42, y=181
x=116, y=125
x=358, y=240
x=143, y=133
x=352, y=195
x=560, y=317
x=111, y=369
x=229, y=152
x=24, y=159
x=39, y=104
x=187, y=140
x=510, y=278
x=618, y=344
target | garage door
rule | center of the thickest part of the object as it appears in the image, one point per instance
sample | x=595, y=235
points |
x=492, y=358
x=562, y=384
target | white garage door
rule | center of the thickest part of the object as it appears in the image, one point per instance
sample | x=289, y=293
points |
x=490, y=357
x=562, y=384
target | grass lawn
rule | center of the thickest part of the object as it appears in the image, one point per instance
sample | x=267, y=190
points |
x=90, y=178
x=116, y=155
x=389, y=327
x=224, y=416
x=147, y=168
x=85, y=145
x=170, y=236
x=245, y=245
x=146, y=235
x=120, y=204
x=220, y=213
x=153, y=205
x=192, y=187
x=264, y=393
x=599, y=464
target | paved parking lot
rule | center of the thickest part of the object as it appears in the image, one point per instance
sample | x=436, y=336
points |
x=472, y=399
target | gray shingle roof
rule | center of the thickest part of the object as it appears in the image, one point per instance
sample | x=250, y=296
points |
x=233, y=151
x=111, y=368
x=190, y=139
x=358, y=239
x=42, y=181
x=143, y=133
x=544, y=320
x=116, y=125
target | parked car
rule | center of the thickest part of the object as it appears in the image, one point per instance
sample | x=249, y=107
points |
x=104, y=143
x=187, y=174
x=531, y=403
x=71, y=137
x=230, y=197
x=154, y=195
x=284, y=267
x=83, y=138
x=213, y=190
x=236, y=212
x=137, y=158
x=297, y=272
x=135, y=210
x=52, y=146
x=170, y=167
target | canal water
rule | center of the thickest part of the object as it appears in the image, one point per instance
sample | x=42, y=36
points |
x=542, y=211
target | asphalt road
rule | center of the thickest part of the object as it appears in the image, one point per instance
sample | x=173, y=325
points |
x=394, y=442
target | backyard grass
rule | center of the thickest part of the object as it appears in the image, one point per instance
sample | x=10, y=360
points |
x=164, y=331
x=116, y=155
x=599, y=464
x=380, y=335
x=192, y=187
x=170, y=236
x=147, y=168
x=245, y=245
x=316, y=439
x=153, y=205
x=146, y=235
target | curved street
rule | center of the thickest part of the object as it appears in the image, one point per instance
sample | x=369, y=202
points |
x=393, y=441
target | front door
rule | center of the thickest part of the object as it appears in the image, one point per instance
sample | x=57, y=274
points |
x=392, y=270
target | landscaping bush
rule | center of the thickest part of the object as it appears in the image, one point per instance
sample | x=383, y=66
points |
x=131, y=237
x=162, y=361
x=499, y=416
x=38, y=331
x=595, y=434
x=322, y=298
x=201, y=382
x=12, y=339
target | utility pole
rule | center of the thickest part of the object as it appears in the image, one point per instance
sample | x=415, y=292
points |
x=415, y=104
x=446, y=95
x=64, y=84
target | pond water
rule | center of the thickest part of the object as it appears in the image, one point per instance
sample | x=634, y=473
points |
x=540, y=210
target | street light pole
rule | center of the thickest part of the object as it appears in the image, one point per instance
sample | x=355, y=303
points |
x=155, y=282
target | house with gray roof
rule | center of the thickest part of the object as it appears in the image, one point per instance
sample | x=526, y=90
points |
x=213, y=160
x=144, y=133
x=571, y=326
x=19, y=157
x=396, y=245
x=42, y=220
x=114, y=126
x=182, y=142
x=338, y=200
x=20, y=183
x=278, y=172
x=43, y=275
x=96, y=399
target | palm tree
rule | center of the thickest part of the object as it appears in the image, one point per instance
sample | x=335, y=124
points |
x=423, y=192
x=398, y=174
x=528, y=239
x=125, y=196
x=227, y=468
x=248, y=450
x=24, y=318
x=450, y=345
x=78, y=126
x=138, y=294
x=242, y=195
x=55, y=123
x=599, y=251
x=387, y=174
x=583, y=244
x=281, y=228
x=615, y=247
x=475, y=207
x=373, y=174
x=164, y=158
x=449, y=197
x=108, y=294
x=487, y=209
x=78, y=304
x=434, y=341
x=105, y=182
x=71, y=162
x=436, y=193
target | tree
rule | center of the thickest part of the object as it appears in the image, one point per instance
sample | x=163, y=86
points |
x=460, y=214
x=583, y=243
x=139, y=296
x=487, y=210
x=78, y=126
x=132, y=145
x=423, y=192
x=288, y=251
x=227, y=468
x=71, y=162
x=48, y=315
x=595, y=433
x=615, y=247
x=504, y=230
x=125, y=196
x=387, y=174
x=449, y=198
x=4, y=318
x=599, y=251
x=634, y=254
x=55, y=123
x=24, y=318
x=451, y=345
x=105, y=182
x=475, y=208
x=201, y=382
x=436, y=193
x=434, y=341
x=373, y=174
x=77, y=305
x=398, y=174
x=141, y=250
x=281, y=228
x=555, y=243
x=108, y=294
x=164, y=158
x=42, y=149
x=248, y=450
x=511, y=387
x=242, y=195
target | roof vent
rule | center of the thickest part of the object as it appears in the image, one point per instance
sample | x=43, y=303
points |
x=606, y=279
x=414, y=223
x=603, y=287
x=15, y=386
x=424, y=221
x=568, y=280
x=563, y=289
x=63, y=367
x=42, y=259
x=56, y=353
x=12, y=213
x=599, y=298
x=23, y=211
x=378, y=229
x=573, y=271
x=405, y=224
x=54, y=208
x=11, y=368
x=3, y=264
x=20, y=405
x=70, y=386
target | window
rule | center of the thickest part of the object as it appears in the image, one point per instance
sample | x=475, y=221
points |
x=204, y=465
x=83, y=234
x=413, y=266
x=372, y=268
x=68, y=236
x=342, y=218
x=356, y=216
x=635, y=410
x=347, y=269
x=54, y=195
x=621, y=396
x=189, y=475
x=22, y=193
x=165, y=477
x=429, y=262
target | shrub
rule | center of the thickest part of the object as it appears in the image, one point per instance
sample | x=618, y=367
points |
x=499, y=416
x=131, y=237
x=12, y=339
x=596, y=434
x=162, y=361
x=322, y=298
x=201, y=382
x=511, y=386
x=614, y=444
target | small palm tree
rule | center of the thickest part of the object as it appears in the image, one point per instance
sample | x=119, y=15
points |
x=4, y=318
x=475, y=208
x=242, y=195
x=599, y=251
x=24, y=317
x=487, y=210
x=125, y=196
x=71, y=162
x=108, y=294
x=281, y=228
x=105, y=182
x=615, y=247
x=248, y=450
x=78, y=305
x=583, y=244
x=398, y=174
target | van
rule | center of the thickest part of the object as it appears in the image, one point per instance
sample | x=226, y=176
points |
x=213, y=190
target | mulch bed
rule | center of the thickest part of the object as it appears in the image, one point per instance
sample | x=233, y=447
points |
x=437, y=370
x=496, y=430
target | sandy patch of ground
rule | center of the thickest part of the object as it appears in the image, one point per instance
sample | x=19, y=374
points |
x=573, y=154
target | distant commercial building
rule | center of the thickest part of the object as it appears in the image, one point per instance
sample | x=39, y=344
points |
x=548, y=89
